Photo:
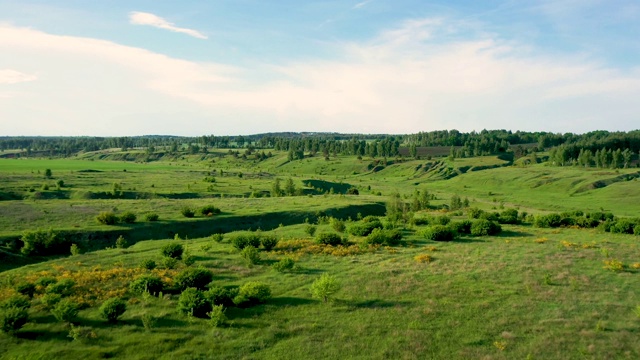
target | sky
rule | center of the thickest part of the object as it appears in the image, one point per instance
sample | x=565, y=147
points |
x=232, y=67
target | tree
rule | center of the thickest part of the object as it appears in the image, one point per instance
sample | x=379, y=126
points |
x=324, y=287
x=276, y=190
x=290, y=187
x=48, y=174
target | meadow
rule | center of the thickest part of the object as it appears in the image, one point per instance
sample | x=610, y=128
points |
x=527, y=292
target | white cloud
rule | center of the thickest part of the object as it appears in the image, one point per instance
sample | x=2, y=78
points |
x=143, y=18
x=405, y=80
x=9, y=76
x=362, y=4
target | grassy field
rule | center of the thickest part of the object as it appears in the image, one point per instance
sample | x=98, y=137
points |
x=528, y=293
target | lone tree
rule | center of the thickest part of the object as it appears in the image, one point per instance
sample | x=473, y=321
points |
x=325, y=287
x=48, y=174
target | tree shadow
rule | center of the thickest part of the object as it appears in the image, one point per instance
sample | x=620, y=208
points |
x=512, y=233
x=378, y=304
x=291, y=301
x=43, y=335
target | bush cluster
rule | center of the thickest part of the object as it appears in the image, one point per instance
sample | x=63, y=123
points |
x=44, y=243
x=332, y=239
x=439, y=233
x=391, y=237
x=197, y=278
x=147, y=283
x=365, y=226
x=209, y=210
x=484, y=227
x=173, y=250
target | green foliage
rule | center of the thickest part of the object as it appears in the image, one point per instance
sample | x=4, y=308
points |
x=269, y=242
x=387, y=237
x=148, y=321
x=250, y=255
x=81, y=333
x=107, y=218
x=461, y=227
x=365, y=227
x=50, y=300
x=128, y=217
x=112, y=309
x=197, y=278
x=209, y=210
x=147, y=283
x=217, y=317
x=121, y=242
x=217, y=237
x=325, y=287
x=169, y=263
x=16, y=301
x=43, y=243
x=148, y=264
x=26, y=288
x=46, y=281
x=252, y=293
x=285, y=264
x=243, y=240
x=221, y=296
x=187, y=212
x=48, y=173
x=475, y=213
x=151, y=217
x=549, y=220
x=193, y=302
x=509, y=216
x=483, y=227
x=337, y=225
x=439, y=233
x=75, y=250
x=310, y=229
x=66, y=310
x=172, y=250
x=12, y=319
x=332, y=239
x=62, y=287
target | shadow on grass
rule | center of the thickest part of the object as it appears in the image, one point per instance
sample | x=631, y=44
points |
x=291, y=301
x=470, y=240
x=377, y=304
x=511, y=233
x=43, y=335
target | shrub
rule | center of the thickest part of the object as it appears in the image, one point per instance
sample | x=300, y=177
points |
x=365, y=227
x=585, y=222
x=221, y=296
x=209, y=210
x=187, y=212
x=50, y=300
x=509, y=216
x=112, y=309
x=148, y=264
x=441, y=220
x=545, y=221
x=461, y=227
x=65, y=310
x=216, y=316
x=283, y=265
x=252, y=293
x=43, y=243
x=439, y=233
x=310, y=229
x=192, y=301
x=79, y=333
x=128, y=217
x=62, y=287
x=197, y=278
x=121, y=242
x=337, y=225
x=12, y=319
x=250, y=255
x=332, y=239
x=16, y=301
x=46, y=281
x=217, y=238
x=107, y=218
x=325, y=287
x=147, y=283
x=173, y=250
x=269, y=242
x=239, y=242
x=377, y=237
x=148, y=321
x=75, y=250
x=483, y=227
x=169, y=263
x=253, y=239
x=623, y=226
x=26, y=288
x=151, y=217
x=394, y=237
x=475, y=213
x=636, y=229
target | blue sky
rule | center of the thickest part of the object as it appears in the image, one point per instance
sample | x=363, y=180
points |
x=243, y=66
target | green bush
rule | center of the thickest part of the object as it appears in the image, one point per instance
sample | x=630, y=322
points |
x=121, y=242
x=283, y=265
x=62, y=287
x=217, y=238
x=325, y=287
x=148, y=264
x=44, y=243
x=197, y=278
x=65, y=310
x=209, y=210
x=546, y=221
x=187, y=212
x=365, y=227
x=75, y=250
x=332, y=239
x=376, y=237
x=269, y=242
x=475, y=213
x=151, y=217
x=623, y=226
x=45, y=281
x=107, y=218
x=221, y=296
x=112, y=309
x=483, y=227
x=16, y=301
x=461, y=227
x=394, y=237
x=509, y=216
x=50, y=300
x=216, y=316
x=441, y=220
x=12, y=319
x=169, y=263
x=173, y=250
x=26, y=288
x=310, y=229
x=147, y=283
x=128, y=217
x=250, y=255
x=439, y=233
x=252, y=293
x=192, y=301
x=239, y=242
x=337, y=225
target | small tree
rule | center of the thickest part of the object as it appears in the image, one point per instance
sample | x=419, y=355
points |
x=325, y=287
x=112, y=309
x=121, y=242
x=65, y=311
x=250, y=255
x=12, y=319
x=269, y=242
x=173, y=250
x=48, y=173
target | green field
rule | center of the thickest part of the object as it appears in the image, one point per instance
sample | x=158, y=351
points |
x=526, y=293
